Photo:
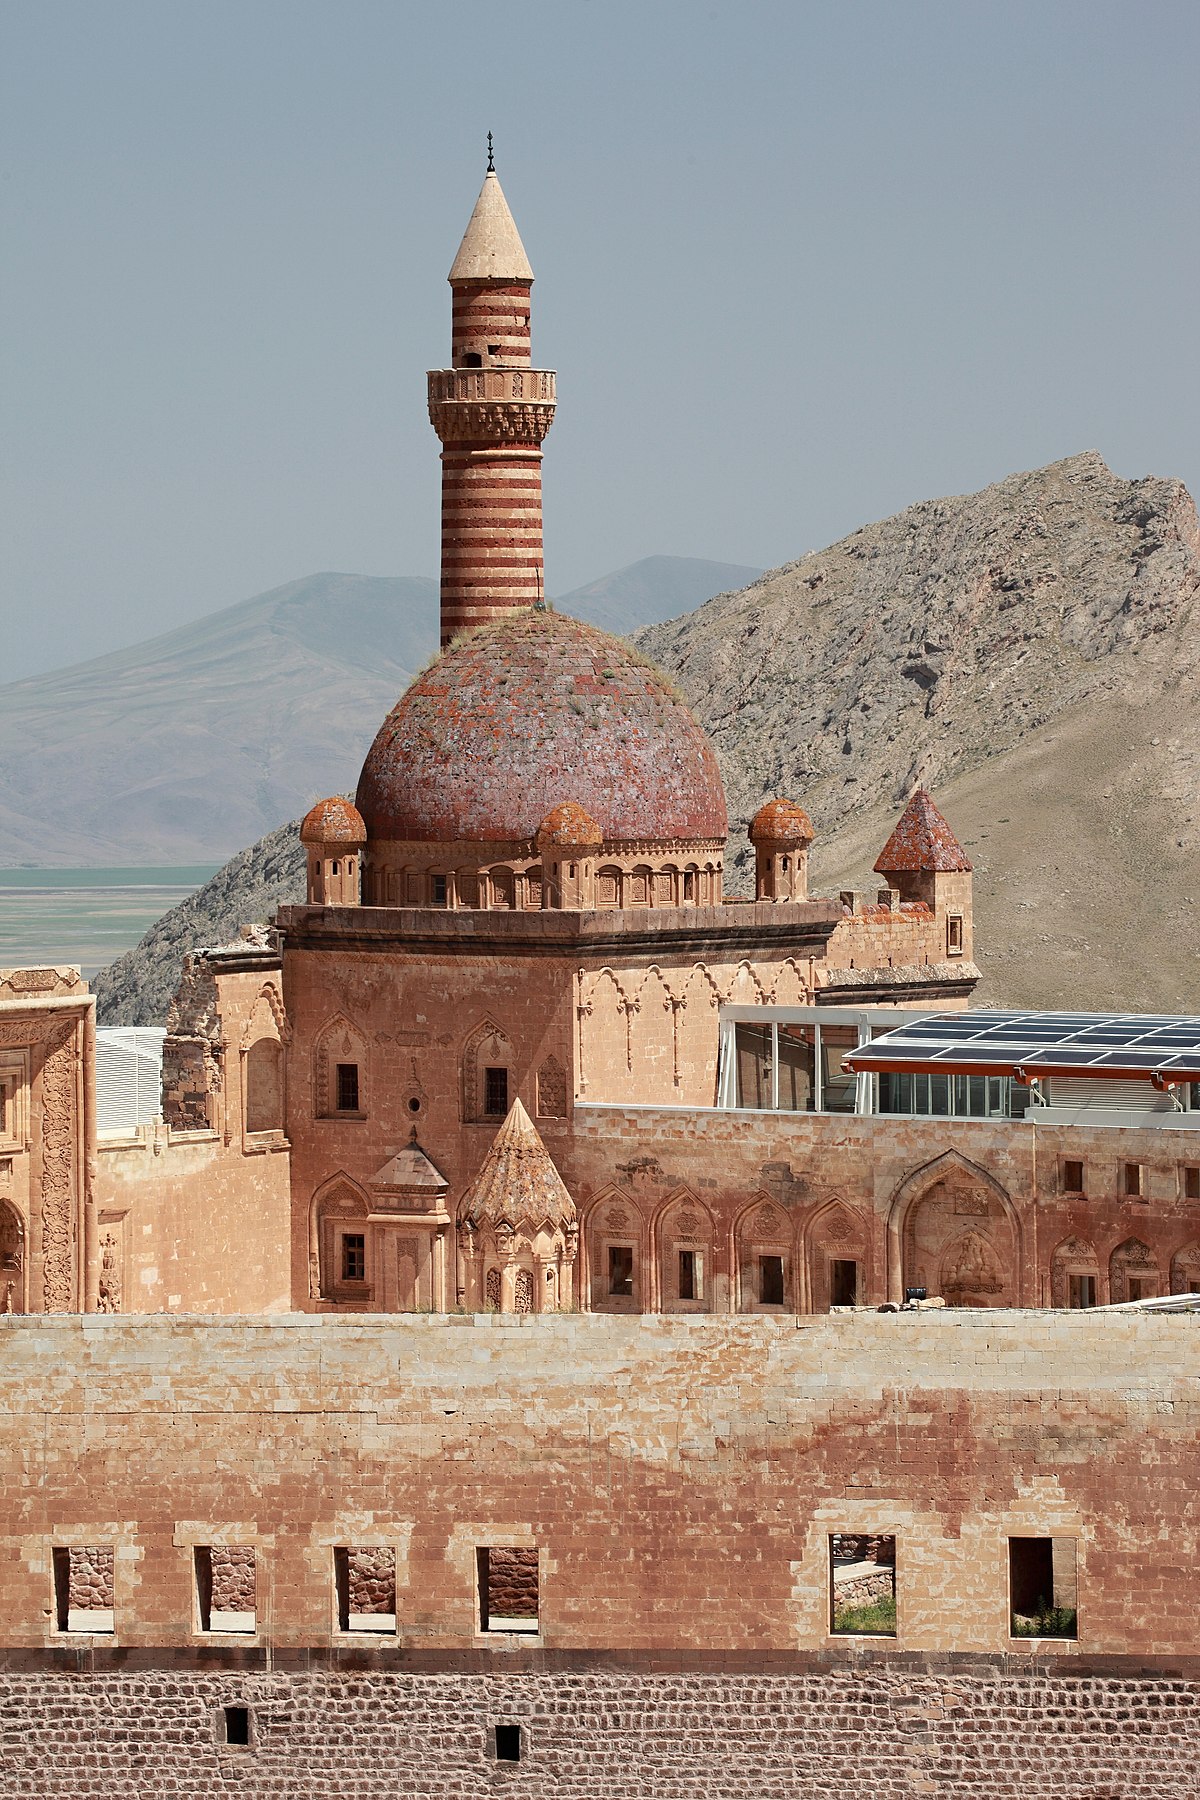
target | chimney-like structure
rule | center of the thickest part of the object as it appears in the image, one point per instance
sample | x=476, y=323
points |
x=491, y=410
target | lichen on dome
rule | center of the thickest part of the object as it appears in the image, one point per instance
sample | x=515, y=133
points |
x=569, y=827
x=333, y=821
x=781, y=822
x=511, y=716
x=922, y=842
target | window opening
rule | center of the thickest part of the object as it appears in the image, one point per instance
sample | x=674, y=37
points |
x=508, y=1743
x=508, y=1588
x=493, y=349
x=770, y=1280
x=620, y=1270
x=1136, y=1287
x=495, y=1093
x=439, y=890
x=83, y=1588
x=843, y=1282
x=365, y=1579
x=1072, y=1177
x=237, y=1724
x=1081, y=1290
x=1042, y=1587
x=226, y=1587
x=862, y=1583
x=1191, y=1184
x=687, y=1275
x=954, y=935
x=689, y=887
x=347, y=1087
x=354, y=1256
x=1133, y=1179
x=472, y=360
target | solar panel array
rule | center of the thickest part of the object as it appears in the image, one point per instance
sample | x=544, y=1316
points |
x=1117, y=1044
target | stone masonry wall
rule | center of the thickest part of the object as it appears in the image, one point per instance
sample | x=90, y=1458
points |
x=962, y=1731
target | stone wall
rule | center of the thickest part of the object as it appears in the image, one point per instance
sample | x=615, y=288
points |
x=961, y=1729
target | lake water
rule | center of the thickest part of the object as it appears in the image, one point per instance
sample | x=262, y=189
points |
x=86, y=916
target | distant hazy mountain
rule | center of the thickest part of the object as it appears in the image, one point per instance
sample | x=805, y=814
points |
x=192, y=744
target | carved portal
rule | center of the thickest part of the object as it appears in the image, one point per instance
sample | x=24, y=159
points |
x=969, y=1264
x=12, y=1260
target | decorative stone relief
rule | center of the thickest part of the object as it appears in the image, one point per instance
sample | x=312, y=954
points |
x=58, y=1224
x=110, y=1273
x=491, y=1290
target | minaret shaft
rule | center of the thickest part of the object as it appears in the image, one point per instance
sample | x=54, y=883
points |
x=491, y=411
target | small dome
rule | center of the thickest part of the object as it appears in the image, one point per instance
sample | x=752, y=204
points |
x=335, y=821
x=511, y=716
x=570, y=827
x=781, y=822
x=518, y=1183
x=922, y=843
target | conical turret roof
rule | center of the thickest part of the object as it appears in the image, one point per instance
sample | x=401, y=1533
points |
x=922, y=841
x=491, y=249
x=518, y=1183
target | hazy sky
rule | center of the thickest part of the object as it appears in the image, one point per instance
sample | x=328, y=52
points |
x=797, y=266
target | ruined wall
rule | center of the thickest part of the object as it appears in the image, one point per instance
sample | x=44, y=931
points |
x=679, y=1478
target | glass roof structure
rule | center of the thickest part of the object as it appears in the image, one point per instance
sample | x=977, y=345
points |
x=1121, y=1046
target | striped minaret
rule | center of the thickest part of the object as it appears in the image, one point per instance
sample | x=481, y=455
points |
x=491, y=411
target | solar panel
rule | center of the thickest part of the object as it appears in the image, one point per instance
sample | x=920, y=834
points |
x=1107, y=1043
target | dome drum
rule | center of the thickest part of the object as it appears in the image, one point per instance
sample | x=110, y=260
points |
x=528, y=877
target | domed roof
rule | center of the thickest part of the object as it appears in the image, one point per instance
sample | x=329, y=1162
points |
x=514, y=715
x=922, y=841
x=570, y=827
x=518, y=1183
x=335, y=821
x=781, y=822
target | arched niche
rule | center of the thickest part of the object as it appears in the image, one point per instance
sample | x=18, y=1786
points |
x=341, y=1083
x=551, y=1089
x=837, y=1248
x=952, y=1223
x=489, y=1074
x=1074, y=1274
x=1133, y=1272
x=339, y=1246
x=764, y=1259
x=615, y=1240
x=12, y=1260
x=264, y=1086
x=1185, y=1270
x=685, y=1255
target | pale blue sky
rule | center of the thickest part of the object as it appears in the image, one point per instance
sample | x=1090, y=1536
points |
x=798, y=265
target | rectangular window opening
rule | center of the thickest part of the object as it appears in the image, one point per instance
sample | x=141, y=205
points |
x=354, y=1256
x=1133, y=1180
x=687, y=1275
x=495, y=1093
x=237, y=1725
x=954, y=935
x=439, y=890
x=1072, y=1177
x=347, y=1087
x=226, y=1587
x=365, y=1580
x=1042, y=1587
x=508, y=1588
x=620, y=1270
x=1191, y=1184
x=1081, y=1290
x=508, y=1743
x=843, y=1282
x=862, y=1584
x=770, y=1280
x=83, y=1588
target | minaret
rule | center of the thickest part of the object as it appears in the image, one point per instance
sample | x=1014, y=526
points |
x=491, y=411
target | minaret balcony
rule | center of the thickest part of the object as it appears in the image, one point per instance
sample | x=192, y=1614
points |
x=491, y=405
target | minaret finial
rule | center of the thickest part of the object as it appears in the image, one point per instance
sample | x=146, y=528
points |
x=491, y=168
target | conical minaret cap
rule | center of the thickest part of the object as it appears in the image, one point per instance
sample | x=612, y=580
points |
x=491, y=249
x=518, y=1183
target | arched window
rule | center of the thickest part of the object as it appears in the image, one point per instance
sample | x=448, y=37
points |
x=489, y=1084
x=685, y=1256
x=343, y=1248
x=340, y=1072
x=764, y=1250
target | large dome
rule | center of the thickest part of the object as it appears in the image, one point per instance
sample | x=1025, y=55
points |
x=526, y=713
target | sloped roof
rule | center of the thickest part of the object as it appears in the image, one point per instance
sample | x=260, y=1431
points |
x=518, y=1182
x=922, y=841
x=410, y=1168
x=491, y=249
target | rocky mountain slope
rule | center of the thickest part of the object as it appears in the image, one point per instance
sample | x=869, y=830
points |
x=1031, y=652
x=183, y=748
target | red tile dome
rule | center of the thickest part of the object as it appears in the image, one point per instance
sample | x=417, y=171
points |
x=781, y=822
x=335, y=821
x=513, y=716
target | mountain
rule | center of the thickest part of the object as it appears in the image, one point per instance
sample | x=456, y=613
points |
x=192, y=743
x=1031, y=652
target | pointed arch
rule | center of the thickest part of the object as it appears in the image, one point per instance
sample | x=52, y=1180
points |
x=339, y=1207
x=764, y=1257
x=340, y=1046
x=613, y=1222
x=974, y=1195
x=1074, y=1273
x=1133, y=1272
x=837, y=1233
x=489, y=1073
x=683, y=1239
x=1185, y=1270
x=13, y=1259
x=268, y=1017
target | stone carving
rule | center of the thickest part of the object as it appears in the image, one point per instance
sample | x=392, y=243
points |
x=510, y=422
x=552, y=1090
x=58, y=1235
x=616, y=1218
x=688, y=1223
x=766, y=1223
x=110, y=1274
x=970, y=1269
x=523, y=1292
x=491, y=1290
x=837, y=1228
x=970, y=1202
x=1185, y=1270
